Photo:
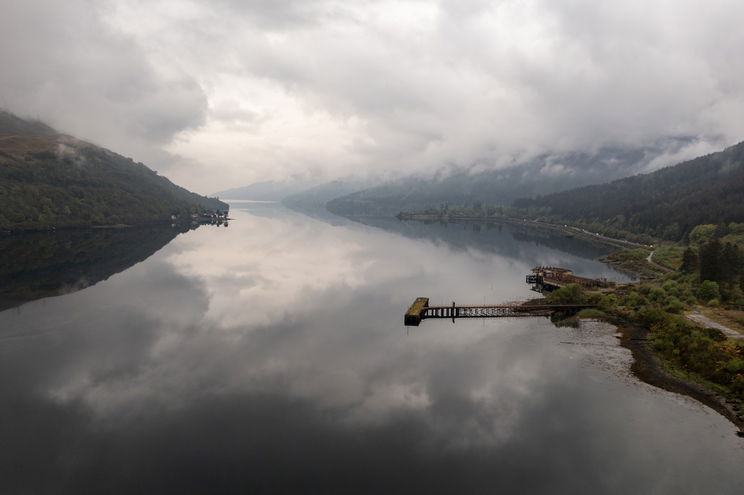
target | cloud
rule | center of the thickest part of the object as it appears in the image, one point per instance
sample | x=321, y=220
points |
x=234, y=92
x=64, y=64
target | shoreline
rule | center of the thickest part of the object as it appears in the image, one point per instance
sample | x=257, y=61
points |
x=120, y=226
x=565, y=228
x=648, y=368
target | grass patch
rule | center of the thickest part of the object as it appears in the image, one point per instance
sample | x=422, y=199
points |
x=592, y=313
x=627, y=255
x=634, y=261
x=669, y=255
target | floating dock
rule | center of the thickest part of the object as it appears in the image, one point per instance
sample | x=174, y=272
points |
x=418, y=308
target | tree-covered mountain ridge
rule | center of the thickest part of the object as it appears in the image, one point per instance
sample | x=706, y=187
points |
x=667, y=203
x=53, y=180
x=541, y=175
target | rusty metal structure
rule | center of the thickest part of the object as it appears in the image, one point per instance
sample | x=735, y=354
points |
x=550, y=278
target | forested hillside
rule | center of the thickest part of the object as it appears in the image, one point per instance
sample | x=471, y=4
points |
x=667, y=203
x=542, y=175
x=51, y=180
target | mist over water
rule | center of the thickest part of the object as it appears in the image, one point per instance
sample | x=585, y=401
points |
x=270, y=357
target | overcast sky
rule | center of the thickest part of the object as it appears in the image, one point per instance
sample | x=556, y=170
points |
x=222, y=93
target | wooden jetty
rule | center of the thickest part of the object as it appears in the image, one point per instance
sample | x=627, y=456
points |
x=420, y=310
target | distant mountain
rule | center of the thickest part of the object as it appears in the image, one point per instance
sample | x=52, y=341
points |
x=542, y=175
x=52, y=180
x=667, y=203
x=267, y=190
x=316, y=198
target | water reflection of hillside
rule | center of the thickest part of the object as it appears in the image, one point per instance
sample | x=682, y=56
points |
x=491, y=237
x=45, y=264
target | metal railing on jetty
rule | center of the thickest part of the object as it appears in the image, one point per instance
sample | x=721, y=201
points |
x=420, y=310
x=544, y=279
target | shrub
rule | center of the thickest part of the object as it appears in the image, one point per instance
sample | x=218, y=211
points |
x=735, y=365
x=591, y=313
x=671, y=287
x=674, y=305
x=656, y=294
x=570, y=294
x=709, y=290
x=644, y=289
x=635, y=299
x=654, y=316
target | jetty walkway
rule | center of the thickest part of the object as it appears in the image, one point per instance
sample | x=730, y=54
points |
x=420, y=310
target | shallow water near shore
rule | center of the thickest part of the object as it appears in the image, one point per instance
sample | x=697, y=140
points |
x=270, y=356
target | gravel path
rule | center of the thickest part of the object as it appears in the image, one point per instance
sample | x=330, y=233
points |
x=708, y=323
x=651, y=262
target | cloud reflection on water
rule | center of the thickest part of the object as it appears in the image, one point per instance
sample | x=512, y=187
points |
x=270, y=356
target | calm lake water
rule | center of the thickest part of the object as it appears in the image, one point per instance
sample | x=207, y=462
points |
x=270, y=357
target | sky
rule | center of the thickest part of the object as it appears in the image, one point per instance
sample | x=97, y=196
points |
x=224, y=93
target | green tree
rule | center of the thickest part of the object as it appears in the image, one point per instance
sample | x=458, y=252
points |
x=709, y=291
x=710, y=261
x=702, y=233
x=672, y=232
x=689, y=261
x=730, y=262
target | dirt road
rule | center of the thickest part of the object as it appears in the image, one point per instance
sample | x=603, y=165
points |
x=708, y=323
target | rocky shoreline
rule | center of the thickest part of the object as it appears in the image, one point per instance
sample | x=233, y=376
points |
x=648, y=368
